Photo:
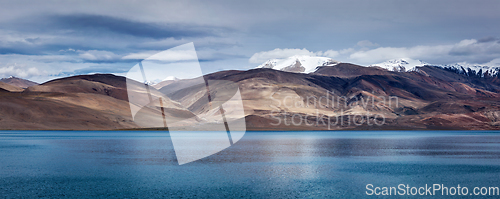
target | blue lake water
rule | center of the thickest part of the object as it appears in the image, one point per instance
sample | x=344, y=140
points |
x=339, y=164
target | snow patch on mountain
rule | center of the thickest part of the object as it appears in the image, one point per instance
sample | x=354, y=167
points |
x=299, y=63
x=407, y=65
x=492, y=70
x=172, y=78
x=400, y=65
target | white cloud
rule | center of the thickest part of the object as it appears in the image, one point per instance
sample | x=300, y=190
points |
x=140, y=55
x=175, y=55
x=19, y=70
x=386, y=53
x=495, y=62
x=39, y=68
x=474, y=47
x=288, y=52
x=97, y=55
x=331, y=53
x=470, y=50
x=278, y=53
x=69, y=50
x=486, y=51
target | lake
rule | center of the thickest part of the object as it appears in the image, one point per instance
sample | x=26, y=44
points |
x=338, y=164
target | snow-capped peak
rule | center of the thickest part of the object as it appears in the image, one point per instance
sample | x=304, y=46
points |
x=492, y=70
x=172, y=78
x=10, y=77
x=298, y=63
x=407, y=65
x=400, y=65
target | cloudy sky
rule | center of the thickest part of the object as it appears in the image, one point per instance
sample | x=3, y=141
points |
x=42, y=40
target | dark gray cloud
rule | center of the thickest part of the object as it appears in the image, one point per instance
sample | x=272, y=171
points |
x=101, y=33
x=19, y=49
x=100, y=24
x=38, y=35
x=488, y=39
x=488, y=47
x=39, y=49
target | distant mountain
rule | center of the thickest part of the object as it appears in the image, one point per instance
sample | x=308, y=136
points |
x=407, y=65
x=86, y=102
x=312, y=64
x=172, y=78
x=473, y=69
x=83, y=102
x=298, y=63
x=166, y=81
x=400, y=65
x=432, y=98
x=22, y=83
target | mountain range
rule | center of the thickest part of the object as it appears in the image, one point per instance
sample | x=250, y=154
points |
x=406, y=64
x=309, y=64
x=421, y=97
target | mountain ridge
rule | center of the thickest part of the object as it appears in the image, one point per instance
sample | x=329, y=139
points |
x=295, y=64
x=427, y=98
x=18, y=82
x=407, y=65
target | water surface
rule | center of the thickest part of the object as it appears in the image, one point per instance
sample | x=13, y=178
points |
x=136, y=164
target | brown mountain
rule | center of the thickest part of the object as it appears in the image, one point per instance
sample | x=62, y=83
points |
x=358, y=98
x=81, y=102
x=10, y=88
x=85, y=102
x=432, y=98
x=18, y=82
